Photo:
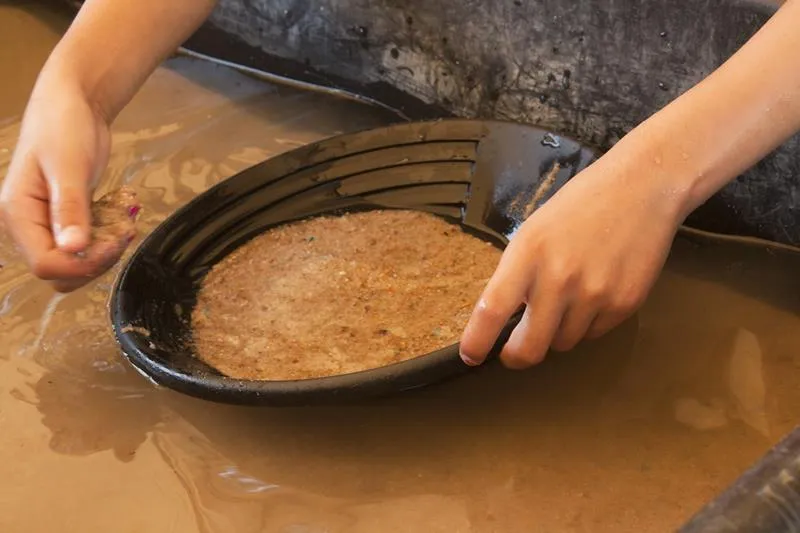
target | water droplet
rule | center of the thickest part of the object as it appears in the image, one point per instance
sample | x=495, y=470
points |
x=663, y=35
x=662, y=86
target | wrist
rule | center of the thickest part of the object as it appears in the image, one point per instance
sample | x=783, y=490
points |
x=64, y=75
x=649, y=170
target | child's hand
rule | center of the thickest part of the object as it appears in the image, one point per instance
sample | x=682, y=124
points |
x=582, y=264
x=63, y=149
x=64, y=144
x=588, y=258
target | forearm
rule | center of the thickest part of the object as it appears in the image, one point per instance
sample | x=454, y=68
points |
x=113, y=46
x=726, y=123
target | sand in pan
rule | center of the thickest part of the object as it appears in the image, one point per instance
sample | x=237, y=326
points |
x=339, y=294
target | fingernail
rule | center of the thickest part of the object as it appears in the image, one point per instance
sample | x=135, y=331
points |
x=468, y=360
x=69, y=237
x=134, y=210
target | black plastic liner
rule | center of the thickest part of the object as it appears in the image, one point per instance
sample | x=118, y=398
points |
x=588, y=69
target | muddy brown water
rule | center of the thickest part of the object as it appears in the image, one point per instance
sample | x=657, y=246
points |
x=630, y=433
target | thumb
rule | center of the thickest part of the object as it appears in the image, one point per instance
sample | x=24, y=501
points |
x=70, y=213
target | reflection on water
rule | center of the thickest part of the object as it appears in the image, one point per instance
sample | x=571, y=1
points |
x=629, y=433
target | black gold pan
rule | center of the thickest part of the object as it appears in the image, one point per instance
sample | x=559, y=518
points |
x=483, y=174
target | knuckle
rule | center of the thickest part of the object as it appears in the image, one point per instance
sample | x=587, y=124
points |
x=627, y=302
x=69, y=204
x=560, y=277
x=489, y=312
x=594, y=291
x=561, y=274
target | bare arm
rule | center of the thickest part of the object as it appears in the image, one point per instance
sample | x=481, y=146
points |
x=587, y=259
x=113, y=46
x=104, y=58
x=725, y=124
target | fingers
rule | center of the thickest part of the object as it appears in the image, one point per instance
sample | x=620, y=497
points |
x=55, y=265
x=98, y=260
x=27, y=219
x=564, y=306
x=503, y=295
x=532, y=337
x=574, y=326
x=69, y=210
x=67, y=165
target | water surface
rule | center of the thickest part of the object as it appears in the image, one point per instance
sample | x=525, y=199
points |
x=630, y=433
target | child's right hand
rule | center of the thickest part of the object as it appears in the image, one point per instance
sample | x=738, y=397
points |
x=45, y=200
x=63, y=148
